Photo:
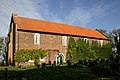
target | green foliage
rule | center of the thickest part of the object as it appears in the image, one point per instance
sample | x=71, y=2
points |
x=83, y=50
x=94, y=45
x=102, y=52
x=25, y=55
x=71, y=50
x=37, y=54
x=36, y=62
x=22, y=56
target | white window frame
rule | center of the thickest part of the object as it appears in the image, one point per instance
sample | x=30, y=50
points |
x=86, y=39
x=101, y=42
x=64, y=40
x=36, y=39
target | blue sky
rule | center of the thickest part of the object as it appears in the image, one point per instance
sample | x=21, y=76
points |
x=95, y=14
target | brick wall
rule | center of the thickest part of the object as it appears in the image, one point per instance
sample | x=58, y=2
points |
x=50, y=42
x=10, y=45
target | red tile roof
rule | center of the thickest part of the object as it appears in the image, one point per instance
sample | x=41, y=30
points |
x=53, y=27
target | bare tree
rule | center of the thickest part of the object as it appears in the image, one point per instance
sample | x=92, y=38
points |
x=115, y=35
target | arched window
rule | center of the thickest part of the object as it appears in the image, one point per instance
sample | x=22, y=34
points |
x=86, y=39
x=64, y=40
x=36, y=39
x=101, y=42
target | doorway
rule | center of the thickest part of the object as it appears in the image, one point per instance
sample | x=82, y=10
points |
x=59, y=59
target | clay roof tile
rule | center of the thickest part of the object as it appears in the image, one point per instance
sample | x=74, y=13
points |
x=53, y=27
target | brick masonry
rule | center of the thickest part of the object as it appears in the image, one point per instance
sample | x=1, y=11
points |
x=50, y=42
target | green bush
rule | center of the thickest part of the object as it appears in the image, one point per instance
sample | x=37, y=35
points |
x=25, y=55
x=83, y=50
x=71, y=50
x=22, y=56
x=102, y=52
x=36, y=62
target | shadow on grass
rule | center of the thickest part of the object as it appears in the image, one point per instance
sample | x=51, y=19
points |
x=54, y=73
x=49, y=73
x=60, y=73
x=11, y=74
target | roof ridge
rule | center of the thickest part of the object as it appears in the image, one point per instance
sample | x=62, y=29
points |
x=55, y=27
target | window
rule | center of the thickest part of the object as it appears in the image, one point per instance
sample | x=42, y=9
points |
x=101, y=42
x=64, y=40
x=36, y=39
x=86, y=39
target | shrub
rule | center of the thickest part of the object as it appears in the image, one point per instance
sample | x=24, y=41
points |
x=22, y=56
x=83, y=50
x=36, y=62
x=71, y=50
x=25, y=55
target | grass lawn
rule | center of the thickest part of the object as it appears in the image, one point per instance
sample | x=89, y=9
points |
x=50, y=73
